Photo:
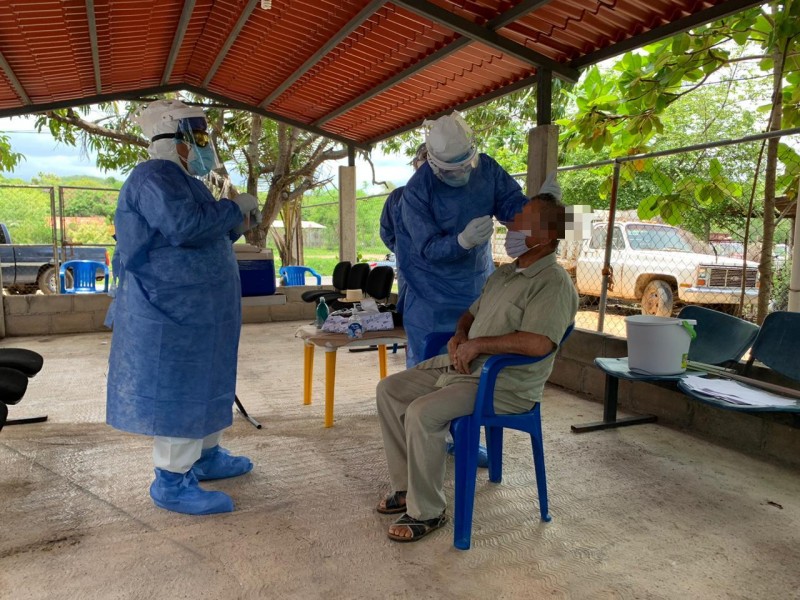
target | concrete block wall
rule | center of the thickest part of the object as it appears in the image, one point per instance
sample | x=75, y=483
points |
x=47, y=315
x=81, y=313
x=776, y=435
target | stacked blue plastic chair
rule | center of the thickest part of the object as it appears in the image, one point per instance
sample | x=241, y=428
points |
x=84, y=277
x=296, y=275
x=467, y=435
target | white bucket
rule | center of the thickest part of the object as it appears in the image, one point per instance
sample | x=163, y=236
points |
x=658, y=345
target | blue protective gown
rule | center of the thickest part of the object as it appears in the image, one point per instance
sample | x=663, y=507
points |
x=390, y=221
x=441, y=278
x=390, y=215
x=177, y=312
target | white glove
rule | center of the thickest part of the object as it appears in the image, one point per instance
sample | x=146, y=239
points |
x=248, y=204
x=476, y=232
x=550, y=186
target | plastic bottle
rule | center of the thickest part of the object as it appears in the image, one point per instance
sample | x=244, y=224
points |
x=354, y=328
x=322, y=313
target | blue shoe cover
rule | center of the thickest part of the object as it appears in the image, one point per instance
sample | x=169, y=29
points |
x=217, y=463
x=180, y=492
x=483, y=456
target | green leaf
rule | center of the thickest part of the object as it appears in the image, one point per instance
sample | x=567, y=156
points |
x=648, y=208
x=715, y=169
x=663, y=181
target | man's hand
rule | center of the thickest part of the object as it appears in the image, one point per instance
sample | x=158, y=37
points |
x=459, y=338
x=464, y=354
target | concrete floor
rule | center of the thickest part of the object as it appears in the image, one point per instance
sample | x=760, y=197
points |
x=641, y=512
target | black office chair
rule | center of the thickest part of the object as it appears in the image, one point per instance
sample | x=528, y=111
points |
x=341, y=274
x=17, y=365
x=356, y=280
x=379, y=283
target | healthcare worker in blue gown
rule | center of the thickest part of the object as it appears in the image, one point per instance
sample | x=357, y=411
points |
x=443, y=245
x=176, y=314
x=390, y=221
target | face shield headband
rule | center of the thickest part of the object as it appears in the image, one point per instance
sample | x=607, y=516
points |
x=193, y=130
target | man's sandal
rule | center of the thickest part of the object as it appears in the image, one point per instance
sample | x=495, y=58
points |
x=419, y=529
x=393, y=504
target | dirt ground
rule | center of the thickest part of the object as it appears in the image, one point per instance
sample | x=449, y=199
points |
x=641, y=512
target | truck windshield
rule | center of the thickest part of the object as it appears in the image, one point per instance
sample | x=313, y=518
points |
x=656, y=237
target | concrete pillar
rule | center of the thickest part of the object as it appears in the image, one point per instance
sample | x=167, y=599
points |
x=794, y=278
x=2, y=308
x=347, y=214
x=542, y=156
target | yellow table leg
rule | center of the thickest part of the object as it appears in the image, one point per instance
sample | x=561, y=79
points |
x=382, y=359
x=330, y=378
x=308, y=372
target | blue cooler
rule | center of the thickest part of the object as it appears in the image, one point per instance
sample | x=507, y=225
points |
x=256, y=270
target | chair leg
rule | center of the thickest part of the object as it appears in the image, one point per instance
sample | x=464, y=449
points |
x=494, y=445
x=466, y=471
x=541, y=478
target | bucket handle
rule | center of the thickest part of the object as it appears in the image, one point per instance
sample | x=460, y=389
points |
x=689, y=329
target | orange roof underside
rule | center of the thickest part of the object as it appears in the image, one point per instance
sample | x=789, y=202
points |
x=392, y=67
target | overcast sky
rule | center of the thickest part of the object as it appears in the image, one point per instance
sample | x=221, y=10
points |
x=44, y=155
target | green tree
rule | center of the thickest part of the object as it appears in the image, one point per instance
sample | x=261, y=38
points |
x=622, y=112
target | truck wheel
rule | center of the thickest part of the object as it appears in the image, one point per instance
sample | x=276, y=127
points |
x=48, y=281
x=657, y=299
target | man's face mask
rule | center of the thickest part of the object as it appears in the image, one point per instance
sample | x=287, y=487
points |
x=516, y=245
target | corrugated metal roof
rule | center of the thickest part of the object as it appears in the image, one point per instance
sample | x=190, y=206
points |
x=354, y=70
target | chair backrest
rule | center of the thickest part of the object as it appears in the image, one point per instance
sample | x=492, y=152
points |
x=84, y=276
x=720, y=338
x=777, y=344
x=357, y=279
x=379, y=283
x=341, y=272
x=296, y=275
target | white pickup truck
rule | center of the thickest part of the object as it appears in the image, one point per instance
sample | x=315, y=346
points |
x=656, y=265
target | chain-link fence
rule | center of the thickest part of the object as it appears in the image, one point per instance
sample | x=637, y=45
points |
x=48, y=225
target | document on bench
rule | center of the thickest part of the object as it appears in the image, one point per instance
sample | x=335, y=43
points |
x=735, y=393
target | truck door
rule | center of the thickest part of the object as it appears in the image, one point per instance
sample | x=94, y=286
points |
x=7, y=258
x=589, y=270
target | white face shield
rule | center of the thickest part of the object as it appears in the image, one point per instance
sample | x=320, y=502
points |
x=169, y=122
x=452, y=153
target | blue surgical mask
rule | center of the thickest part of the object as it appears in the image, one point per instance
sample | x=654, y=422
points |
x=200, y=160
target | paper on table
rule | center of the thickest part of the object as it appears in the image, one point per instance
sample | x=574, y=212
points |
x=735, y=393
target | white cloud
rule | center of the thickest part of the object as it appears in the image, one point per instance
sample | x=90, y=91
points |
x=42, y=154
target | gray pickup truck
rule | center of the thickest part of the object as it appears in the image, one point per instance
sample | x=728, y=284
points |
x=29, y=267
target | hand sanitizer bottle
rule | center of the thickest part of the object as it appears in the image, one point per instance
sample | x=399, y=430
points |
x=322, y=312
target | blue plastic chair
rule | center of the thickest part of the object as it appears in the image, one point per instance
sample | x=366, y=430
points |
x=296, y=275
x=778, y=344
x=467, y=436
x=84, y=277
x=722, y=339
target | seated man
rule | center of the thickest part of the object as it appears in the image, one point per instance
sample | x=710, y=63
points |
x=525, y=308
